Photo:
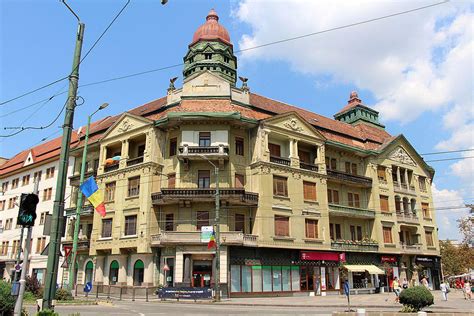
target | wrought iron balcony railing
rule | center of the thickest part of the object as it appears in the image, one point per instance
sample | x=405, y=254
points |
x=308, y=166
x=86, y=210
x=236, y=196
x=350, y=211
x=354, y=245
x=341, y=176
x=227, y=238
x=111, y=168
x=280, y=160
x=134, y=161
x=407, y=218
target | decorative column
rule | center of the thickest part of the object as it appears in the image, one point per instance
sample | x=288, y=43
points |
x=294, y=159
x=187, y=270
x=398, y=176
x=124, y=153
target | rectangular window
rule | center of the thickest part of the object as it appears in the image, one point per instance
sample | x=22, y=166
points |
x=348, y=167
x=204, y=179
x=173, y=146
x=274, y=149
x=240, y=223
x=15, y=247
x=49, y=172
x=280, y=187
x=304, y=156
x=335, y=231
x=25, y=180
x=15, y=183
x=235, y=278
x=171, y=180
x=169, y=222
x=2, y=205
x=40, y=244
x=333, y=164
x=239, y=181
x=134, y=186
x=43, y=217
x=354, y=169
x=110, y=191
x=4, y=187
x=350, y=199
x=130, y=225
x=384, y=204
x=333, y=196
x=381, y=173
x=359, y=232
x=429, y=239
x=353, y=232
x=47, y=194
x=246, y=279
x=202, y=219
x=422, y=183
x=208, y=56
x=309, y=191
x=356, y=200
x=239, y=146
x=282, y=225
x=351, y=168
x=8, y=223
x=387, y=235
x=256, y=278
x=37, y=176
x=267, y=278
x=106, y=228
x=204, y=139
x=12, y=202
x=5, y=248
x=141, y=151
x=425, y=207
x=311, y=228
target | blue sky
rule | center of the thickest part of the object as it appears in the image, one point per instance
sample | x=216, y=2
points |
x=412, y=68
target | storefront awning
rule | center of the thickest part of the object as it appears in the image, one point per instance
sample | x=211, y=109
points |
x=362, y=268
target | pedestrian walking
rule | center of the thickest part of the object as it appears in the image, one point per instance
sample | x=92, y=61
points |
x=444, y=290
x=467, y=290
x=424, y=282
x=405, y=284
x=396, y=289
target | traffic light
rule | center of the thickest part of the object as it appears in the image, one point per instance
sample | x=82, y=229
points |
x=27, y=213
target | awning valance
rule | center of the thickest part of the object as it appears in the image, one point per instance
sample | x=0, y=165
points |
x=362, y=268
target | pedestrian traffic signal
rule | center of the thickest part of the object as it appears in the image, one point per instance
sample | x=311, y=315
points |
x=27, y=213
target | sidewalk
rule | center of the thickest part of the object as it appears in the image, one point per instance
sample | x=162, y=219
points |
x=455, y=301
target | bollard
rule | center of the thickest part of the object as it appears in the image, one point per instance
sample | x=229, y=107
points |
x=360, y=312
x=120, y=294
x=146, y=294
x=97, y=291
x=133, y=294
x=108, y=294
x=75, y=290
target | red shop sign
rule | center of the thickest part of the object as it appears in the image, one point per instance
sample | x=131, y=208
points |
x=388, y=259
x=315, y=255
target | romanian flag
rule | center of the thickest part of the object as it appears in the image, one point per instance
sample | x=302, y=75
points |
x=90, y=189
x=212, y=241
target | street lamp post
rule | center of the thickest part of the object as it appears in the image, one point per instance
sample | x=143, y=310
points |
x=72, y=267
x=218, y=233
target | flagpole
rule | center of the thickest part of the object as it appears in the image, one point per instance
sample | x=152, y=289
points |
x=72, y=267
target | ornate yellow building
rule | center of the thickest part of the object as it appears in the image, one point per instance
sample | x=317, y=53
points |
x=306, y=201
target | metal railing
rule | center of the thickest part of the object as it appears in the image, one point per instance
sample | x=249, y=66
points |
x=351, y=211
x=207, y=193
x=204, y=150
x=354, y=245
x=308, y=166
x=111, y=168
x=194, y=237
x=280, y=160
x=349, y=177
x=134, y=161
x=118, y=292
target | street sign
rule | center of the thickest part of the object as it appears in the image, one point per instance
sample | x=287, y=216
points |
x=18, y=267
x=67, y=251
x=88, y=287
x=65, y=264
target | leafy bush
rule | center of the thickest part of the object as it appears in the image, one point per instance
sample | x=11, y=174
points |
x=7, y=301
x=33, y=286
x=47, y=312
x=29, y=297
x=416, y=298
x=64, y=295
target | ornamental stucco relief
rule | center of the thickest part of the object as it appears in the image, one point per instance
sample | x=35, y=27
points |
x=400, y=155
x=293, y=125
x=125, y=126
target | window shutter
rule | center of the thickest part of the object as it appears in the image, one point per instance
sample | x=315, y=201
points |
x=274, y=150
x=356, y=200
x=350, y=199
x=329, y=196
x=348, y=167
x=309, y=190
x=335, y=196
x=239, y=180
x=171, y=181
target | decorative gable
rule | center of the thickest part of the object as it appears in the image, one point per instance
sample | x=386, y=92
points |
x=126, y=123
x=400, y=155
x=206, y=84
x=29, y=159
x=293, y=123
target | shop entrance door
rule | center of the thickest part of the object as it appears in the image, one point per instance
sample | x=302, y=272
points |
x=202, y=273
x=307, y=278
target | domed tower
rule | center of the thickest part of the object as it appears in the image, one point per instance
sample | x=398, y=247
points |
x=355, y=112
x=211, y=50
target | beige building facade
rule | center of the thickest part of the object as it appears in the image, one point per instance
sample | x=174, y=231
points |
x=305, y=201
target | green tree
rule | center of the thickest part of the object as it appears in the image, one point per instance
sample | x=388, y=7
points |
x=456, y=260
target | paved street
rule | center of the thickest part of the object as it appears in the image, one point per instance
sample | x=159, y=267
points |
x=266, y=306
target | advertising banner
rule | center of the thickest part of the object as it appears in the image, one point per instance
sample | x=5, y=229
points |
x=192, y=293
x=206, y=233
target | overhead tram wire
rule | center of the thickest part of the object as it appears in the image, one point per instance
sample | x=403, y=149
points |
x=447, y=152
x=238, y=51
x=448, y=159
x=85, y=55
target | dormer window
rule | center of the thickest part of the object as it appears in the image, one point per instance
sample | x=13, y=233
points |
x=208, y=56
x=191, y=60
x=226, y=59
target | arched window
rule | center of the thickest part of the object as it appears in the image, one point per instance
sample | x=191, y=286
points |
x=113, y=272
x=398, y=206
x=405, y=205
x=89, y=272
x=138, y=271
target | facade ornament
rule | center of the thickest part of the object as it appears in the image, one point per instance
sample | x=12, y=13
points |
x=125, y=126
x=296, y=176
x=323, y=180
x=245, y=87
x=293, y=125
x=400, y=155
x=388, y=170
x=171, y=86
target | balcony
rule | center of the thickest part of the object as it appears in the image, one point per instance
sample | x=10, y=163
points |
x=74, y=180
x=309, y=166
x=86, y=210
x=415, y=248
x=349, y=211
x=82, y=245
x=234, y=196
x=407, y=218
x=111, y=168
x=280, y=160
x=349, y=245
x=220, y=152
x=227, y=238
x=134, y=161
x=403, y=188
x=343, y=177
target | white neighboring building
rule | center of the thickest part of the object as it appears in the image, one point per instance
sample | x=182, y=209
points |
x=17, y=176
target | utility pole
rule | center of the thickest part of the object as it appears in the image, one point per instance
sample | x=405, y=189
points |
x=26, y=262
x=18, y=257
x=58, y=209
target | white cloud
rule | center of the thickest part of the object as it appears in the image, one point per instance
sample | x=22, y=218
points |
x=449, y=206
